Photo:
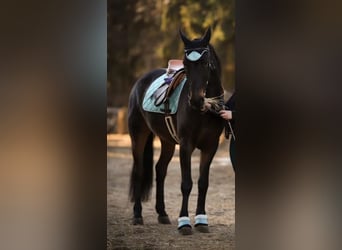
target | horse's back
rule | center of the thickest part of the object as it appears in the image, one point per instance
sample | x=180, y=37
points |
x=141, y=85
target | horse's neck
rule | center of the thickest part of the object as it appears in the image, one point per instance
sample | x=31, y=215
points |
x=214, y=85
x=213, y=92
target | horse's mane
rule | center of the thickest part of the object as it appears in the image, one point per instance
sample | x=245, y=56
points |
x=216, y=60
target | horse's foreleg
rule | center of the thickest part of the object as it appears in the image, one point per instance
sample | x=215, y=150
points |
x=186, y=186
x=166, y=154
x=201, y=220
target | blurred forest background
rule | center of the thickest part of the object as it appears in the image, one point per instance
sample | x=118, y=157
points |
x=143, y=35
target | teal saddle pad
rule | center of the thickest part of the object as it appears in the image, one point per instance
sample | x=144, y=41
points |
x=149, y=98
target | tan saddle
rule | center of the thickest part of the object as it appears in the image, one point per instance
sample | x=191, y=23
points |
x=174, y=65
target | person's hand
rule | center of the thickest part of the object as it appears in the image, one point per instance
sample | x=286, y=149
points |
x=226, y=114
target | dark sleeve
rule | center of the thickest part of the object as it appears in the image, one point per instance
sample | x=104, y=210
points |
x=230, y=104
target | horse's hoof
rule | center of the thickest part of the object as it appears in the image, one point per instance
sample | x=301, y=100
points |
x=185, y=230
x=202, y=228
x=164, y=219
x=138, y=221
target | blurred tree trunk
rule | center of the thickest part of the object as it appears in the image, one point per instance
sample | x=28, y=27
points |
x=121, y=126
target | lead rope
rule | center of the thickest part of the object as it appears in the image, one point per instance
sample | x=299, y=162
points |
x=231, y=130
x=217, y=104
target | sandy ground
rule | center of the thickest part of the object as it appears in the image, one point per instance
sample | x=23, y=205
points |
x=220, y=204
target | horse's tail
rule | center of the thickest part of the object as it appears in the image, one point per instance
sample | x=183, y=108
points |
x=144, y=177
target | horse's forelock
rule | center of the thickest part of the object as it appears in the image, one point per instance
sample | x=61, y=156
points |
x=196, y=43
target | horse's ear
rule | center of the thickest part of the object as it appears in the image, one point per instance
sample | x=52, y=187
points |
x=206, y=37
x=185, y=40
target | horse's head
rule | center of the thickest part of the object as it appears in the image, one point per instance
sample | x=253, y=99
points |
x=197, y=67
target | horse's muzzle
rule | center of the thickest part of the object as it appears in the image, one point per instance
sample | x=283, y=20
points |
x=197, y=103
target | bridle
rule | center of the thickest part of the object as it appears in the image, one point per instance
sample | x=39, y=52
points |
x=195, y=54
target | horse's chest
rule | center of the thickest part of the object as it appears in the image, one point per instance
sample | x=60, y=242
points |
x=201, y=129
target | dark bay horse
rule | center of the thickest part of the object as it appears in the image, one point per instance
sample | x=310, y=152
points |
x=196, y=127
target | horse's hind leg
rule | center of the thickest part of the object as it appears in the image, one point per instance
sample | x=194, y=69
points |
x=142, y=171
x=166, y=154
x=138, y=144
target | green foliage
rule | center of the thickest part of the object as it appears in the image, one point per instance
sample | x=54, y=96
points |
x=143, y=34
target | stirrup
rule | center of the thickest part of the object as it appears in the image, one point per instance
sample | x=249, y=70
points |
x=160, y=95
